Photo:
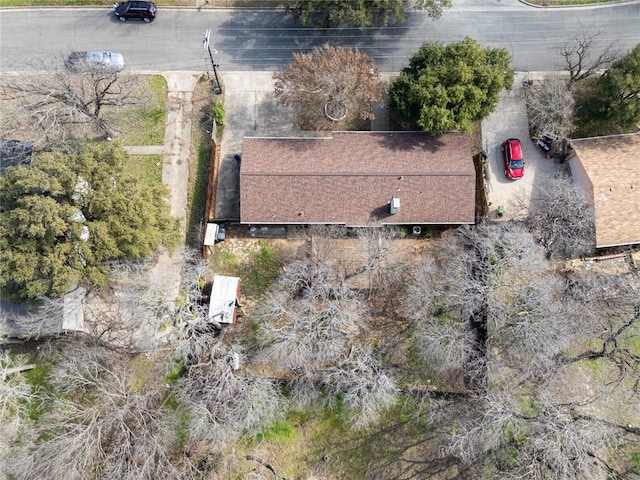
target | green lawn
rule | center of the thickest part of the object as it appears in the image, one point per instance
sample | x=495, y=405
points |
x=146, y=167
x=145, y=124
x=257, y=264
x=197, y=195
x=319, y=444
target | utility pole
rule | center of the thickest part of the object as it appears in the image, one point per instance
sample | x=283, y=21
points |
x=207, y=46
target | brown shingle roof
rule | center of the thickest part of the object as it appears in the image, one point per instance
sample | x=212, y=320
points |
x=613, y=166
x=350, y=178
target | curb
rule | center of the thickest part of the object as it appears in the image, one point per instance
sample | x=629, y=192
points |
x=582, y=5
x=259, y=9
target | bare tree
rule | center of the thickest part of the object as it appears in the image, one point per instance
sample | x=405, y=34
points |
x=45, y=318
x=492, y=292
x=224, y=396
x=489, y=299
x=132, y=318
x=366, y=390
x=382, y=271
x=16, y=395
x=311, y=332
x=100, y=422
x=329, y=85
x=135, y=316
x=309, y=320
x=195, y=330
x=65, y=103
x=534, y=437
x=550, y=107
x=562, y=217
x=226, y=400
x=584, y=55
x=449, y=348
x=610, y=308
x=446, y=344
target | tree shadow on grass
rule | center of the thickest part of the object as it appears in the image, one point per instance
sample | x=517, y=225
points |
x=402, y=448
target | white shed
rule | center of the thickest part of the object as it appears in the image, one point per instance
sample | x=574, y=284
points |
x=225, y=298
x=211, y=234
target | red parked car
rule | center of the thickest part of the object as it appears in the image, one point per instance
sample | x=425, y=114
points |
x=512, y=156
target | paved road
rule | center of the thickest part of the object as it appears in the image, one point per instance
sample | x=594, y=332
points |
x=264, y=40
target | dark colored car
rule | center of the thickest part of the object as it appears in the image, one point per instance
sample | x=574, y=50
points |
x=512, y=156
x=136, y=10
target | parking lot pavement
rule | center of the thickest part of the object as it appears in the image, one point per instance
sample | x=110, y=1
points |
x=509, y=120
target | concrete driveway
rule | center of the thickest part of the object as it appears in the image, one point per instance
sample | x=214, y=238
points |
x=251, y=110
x=509, y=120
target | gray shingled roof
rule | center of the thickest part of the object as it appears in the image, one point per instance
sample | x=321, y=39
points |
x=50, y=318
x=351, y=177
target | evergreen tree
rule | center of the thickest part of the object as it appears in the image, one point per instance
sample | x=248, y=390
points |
x=71, y=211
x=447, y=87
x=610, y=103
x=358, y=13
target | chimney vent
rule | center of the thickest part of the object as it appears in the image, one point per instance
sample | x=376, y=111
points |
x=395, y=205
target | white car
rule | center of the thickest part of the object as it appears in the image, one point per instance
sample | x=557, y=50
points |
x=107, y=59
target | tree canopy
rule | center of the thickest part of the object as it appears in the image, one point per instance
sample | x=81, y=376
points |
x=447, y=87
x=610, y=103
x=71, y=211
x=360, y=13
x=66, y=102
x=329, y=85
x=486, y=357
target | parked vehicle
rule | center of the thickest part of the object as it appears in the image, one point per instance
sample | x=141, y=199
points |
x=135, y=10
x=96, y=57
x=512, y=156
x=546, y=141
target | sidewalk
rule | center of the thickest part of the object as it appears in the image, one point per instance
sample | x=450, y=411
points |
x=164, y=276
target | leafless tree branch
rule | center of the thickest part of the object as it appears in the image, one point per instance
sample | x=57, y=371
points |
x=584, y=56
x=62, y=103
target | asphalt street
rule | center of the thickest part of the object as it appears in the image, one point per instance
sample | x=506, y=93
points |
x=264, y=40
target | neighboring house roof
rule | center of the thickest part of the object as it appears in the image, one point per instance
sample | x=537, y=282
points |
x=613, y=166
x=351, y=177
x=53, y=317
x=14, y=152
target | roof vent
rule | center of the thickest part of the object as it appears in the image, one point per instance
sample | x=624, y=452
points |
x=395, y=205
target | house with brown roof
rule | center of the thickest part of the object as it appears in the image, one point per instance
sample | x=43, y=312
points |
x=609, y=170
x=358, y=179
